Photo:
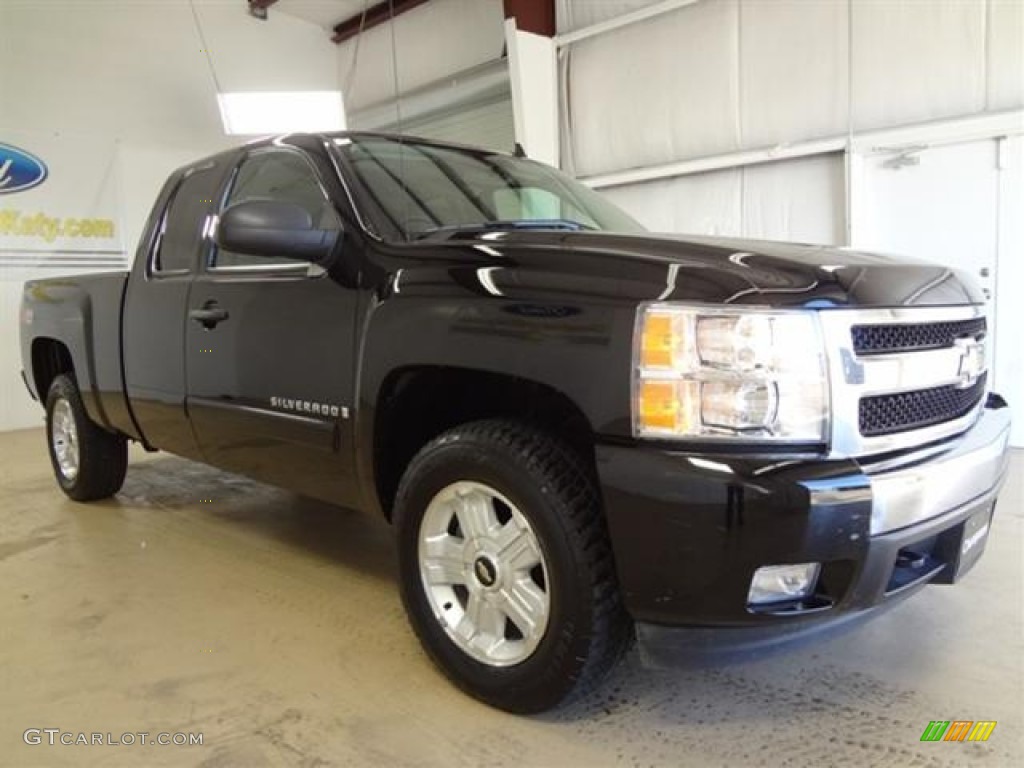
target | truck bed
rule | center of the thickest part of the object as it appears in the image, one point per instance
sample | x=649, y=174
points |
x=80, y=314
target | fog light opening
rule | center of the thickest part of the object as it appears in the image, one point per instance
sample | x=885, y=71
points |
x=780, y=583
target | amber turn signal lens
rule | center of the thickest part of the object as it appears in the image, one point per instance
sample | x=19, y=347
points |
x=658, y=341
x=659, y=405
x=668, y=406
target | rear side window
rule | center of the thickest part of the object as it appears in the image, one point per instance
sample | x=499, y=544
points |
x=183, y=231
x=277, y=175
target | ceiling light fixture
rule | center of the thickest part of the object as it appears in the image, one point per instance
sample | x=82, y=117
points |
x=267, y=112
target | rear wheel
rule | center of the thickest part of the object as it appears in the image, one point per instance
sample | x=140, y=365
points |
x=88, y=462
x=506, y=568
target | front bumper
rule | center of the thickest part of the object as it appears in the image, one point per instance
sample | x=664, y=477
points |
x=689, y=530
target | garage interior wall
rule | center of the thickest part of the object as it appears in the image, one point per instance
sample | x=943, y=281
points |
x=448, y=53
x=799, y=199
x=722, y=76
x=130, y=81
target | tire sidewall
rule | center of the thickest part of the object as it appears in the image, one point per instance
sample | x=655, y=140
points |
x=63, y=388
x=548, y=674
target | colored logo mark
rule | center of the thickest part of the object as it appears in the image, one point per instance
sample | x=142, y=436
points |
x=958, y=730
x=19, y=170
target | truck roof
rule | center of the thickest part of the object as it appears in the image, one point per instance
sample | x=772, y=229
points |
x=331, y=136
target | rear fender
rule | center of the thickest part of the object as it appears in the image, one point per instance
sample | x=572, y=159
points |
x=62, y=311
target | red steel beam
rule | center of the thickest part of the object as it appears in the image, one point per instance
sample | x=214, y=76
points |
x=536, y=16
x=375, y=15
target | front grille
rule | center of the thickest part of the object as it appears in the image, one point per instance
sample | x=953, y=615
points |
x=887, y=414
x=884, y=339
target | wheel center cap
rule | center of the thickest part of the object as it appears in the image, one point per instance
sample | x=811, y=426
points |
x=485, y=571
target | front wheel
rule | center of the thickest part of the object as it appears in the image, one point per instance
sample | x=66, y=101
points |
x=506, y=568
x=88, y=462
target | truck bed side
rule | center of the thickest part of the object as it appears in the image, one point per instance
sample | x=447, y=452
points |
x=75, y=323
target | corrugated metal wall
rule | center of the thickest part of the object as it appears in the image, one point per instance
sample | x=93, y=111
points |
x=488, y=125
x=722, y=76
x=792, y=200
x=434, y=43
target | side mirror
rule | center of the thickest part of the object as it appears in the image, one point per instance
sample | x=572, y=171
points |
x=275, y=229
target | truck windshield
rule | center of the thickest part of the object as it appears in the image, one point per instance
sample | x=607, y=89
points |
x=425, y=190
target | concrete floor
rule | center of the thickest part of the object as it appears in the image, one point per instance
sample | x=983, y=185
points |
x=197, y=601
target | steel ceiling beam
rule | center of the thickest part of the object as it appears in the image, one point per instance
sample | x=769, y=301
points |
x=536, y=16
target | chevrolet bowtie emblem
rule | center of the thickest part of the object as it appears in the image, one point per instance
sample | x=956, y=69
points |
x=972, y=361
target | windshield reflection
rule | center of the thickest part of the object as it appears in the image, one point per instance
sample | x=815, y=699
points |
x=424, y=189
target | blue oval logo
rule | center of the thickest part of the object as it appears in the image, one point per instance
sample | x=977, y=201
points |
x=19, y=170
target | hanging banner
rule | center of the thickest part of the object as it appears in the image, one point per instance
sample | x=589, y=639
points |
x=58, y=202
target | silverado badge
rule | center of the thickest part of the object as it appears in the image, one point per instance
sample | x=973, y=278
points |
x=310, y=407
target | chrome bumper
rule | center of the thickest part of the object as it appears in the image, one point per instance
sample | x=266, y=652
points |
x=972, y=467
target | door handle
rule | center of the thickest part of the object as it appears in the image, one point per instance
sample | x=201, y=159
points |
x=208, y=315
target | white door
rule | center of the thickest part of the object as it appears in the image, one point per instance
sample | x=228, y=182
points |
x=938, y=204
x=1009, y=364
x=960, y=205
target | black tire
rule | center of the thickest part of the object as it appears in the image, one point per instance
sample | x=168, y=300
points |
x=102, y=457
x=587, y=627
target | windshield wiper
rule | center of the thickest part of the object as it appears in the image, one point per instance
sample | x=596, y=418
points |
x=507, y=225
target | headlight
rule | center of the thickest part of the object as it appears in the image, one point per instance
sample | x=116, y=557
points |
x=710, y=373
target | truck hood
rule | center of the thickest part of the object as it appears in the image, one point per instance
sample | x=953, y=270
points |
x=535, y=264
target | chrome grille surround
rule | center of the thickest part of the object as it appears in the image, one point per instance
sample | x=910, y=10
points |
x=853, y=377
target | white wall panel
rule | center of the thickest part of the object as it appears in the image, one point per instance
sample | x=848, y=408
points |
x=793, y=73
x=280, y=54
x=1009, y=362
x=917, y=61
x=656, y=91
x=790, y=200
x=55, y=77
x=1005, y=62
x=434, y=41
x=799, y=200
x=746, y=74
x=704, y=204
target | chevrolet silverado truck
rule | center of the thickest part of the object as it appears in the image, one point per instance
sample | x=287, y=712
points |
x=584, y=434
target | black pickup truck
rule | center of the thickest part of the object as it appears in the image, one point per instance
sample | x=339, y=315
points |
x=583, y=433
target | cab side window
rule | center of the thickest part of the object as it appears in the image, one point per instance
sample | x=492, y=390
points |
x=183, y=229
x=277, y=175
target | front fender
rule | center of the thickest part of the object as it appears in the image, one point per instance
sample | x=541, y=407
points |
x=577, y=348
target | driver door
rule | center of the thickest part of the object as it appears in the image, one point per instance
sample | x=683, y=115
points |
x=270, y=383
